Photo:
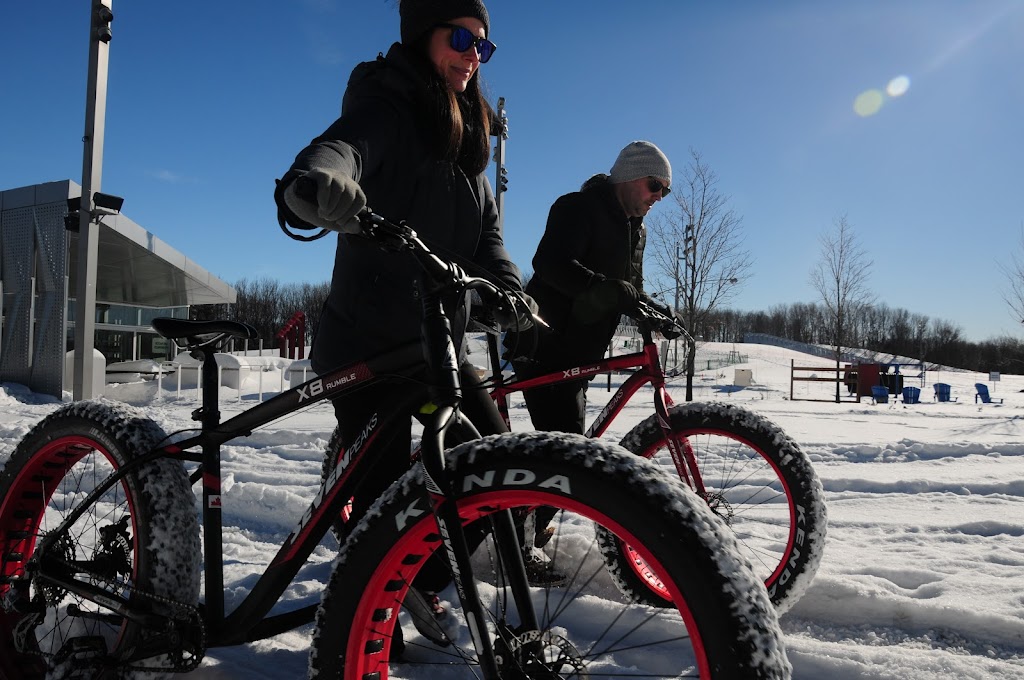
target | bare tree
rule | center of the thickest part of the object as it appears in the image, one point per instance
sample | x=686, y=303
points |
x=697, y=249
x=1014, y=295
x=841, y=278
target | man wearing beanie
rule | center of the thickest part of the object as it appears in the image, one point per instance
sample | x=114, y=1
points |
x=588, y=271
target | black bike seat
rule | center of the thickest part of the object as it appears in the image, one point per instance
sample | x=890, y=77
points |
x=175, y=329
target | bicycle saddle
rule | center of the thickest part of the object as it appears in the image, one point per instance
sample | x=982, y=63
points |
x=175, y=329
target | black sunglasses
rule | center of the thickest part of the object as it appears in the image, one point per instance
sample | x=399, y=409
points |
x=654, y=185
x=462, y=39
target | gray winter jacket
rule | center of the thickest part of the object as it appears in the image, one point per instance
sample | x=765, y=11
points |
x=380, y=141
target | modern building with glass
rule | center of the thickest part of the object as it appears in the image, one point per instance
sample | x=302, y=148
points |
x=139, y=277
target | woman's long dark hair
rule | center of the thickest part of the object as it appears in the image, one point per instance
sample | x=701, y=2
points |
x=461, y=121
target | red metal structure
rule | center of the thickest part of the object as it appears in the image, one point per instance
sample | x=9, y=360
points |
x=292, y=335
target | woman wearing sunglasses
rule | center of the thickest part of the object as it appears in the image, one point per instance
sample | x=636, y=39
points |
x=413, y=141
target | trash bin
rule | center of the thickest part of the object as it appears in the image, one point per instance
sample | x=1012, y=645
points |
x=894, y=381
x=911, y=395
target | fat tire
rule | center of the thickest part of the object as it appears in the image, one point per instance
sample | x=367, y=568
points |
x=786, y=575
x=723, y=604
x=157, y=498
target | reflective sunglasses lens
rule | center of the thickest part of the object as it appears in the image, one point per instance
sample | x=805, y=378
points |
x=485, y=48
x=654, y=185
x=462, y=39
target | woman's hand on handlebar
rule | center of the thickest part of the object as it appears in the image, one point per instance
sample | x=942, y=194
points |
x=328, y=200
x=511, y=309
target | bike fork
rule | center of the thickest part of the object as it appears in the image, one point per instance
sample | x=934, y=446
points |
x=678, y=446
x=457, y=551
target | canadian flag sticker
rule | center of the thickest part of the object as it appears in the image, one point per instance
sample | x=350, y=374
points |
x=214, y=502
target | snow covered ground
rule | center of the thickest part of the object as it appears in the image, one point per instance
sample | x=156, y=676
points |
x=923, y=574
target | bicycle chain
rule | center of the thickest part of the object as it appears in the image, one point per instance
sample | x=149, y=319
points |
x=192, y=620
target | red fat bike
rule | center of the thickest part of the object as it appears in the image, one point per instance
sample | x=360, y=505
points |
x=745, y=467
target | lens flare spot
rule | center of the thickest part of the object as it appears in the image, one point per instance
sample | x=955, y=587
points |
x=898, y=86
x=868, y=103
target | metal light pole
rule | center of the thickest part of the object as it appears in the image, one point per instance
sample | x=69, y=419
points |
x=501, y=173
x=92, y=170
x=689, y=261
x=675, y=308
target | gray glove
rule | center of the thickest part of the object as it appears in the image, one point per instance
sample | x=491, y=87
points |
x=338, y=200
x=520, y=318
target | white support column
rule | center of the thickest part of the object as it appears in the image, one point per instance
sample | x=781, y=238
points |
x=92, y=171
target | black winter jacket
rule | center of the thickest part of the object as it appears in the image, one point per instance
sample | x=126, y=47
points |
x=380, y=141
x=587, y=234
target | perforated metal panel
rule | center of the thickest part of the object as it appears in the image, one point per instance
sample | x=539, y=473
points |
x=16, y=236
x=51, y=265
x=33, y=263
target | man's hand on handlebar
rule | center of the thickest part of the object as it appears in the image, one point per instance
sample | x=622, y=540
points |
x=662, y=318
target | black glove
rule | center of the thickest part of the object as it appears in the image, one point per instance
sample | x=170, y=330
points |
x=605, y=298
x=618, y=295
x=519, y=316
x=338, y=199
x=657, y=306
x=669, y=329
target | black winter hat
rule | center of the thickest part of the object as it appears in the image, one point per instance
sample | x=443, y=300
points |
x=419, y=16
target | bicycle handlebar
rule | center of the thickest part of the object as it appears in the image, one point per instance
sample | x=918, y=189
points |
x=666, y=324
x=443, y=273
x=392, y=236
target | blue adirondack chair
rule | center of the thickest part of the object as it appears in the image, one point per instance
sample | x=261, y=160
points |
x=983, y=395
x=911, y=395
x=942, y=392
x=879, y=394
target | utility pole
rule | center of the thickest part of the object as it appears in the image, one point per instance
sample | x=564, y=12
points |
x=689, y=264
x=501, y=174
x=92, y=170
x=675, y=308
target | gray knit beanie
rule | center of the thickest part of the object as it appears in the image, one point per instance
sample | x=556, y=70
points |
x=419, y=16
x=641, y=159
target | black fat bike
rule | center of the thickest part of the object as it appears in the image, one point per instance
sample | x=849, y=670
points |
x=101, y=558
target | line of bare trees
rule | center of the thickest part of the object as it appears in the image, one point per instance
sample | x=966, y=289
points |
x=267, y=304
x=875, y=327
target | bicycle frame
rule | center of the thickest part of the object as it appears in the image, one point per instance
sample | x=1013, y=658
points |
x=648, y=365
x=249, y=620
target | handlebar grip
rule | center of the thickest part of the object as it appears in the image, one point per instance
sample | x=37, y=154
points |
x=305, y=188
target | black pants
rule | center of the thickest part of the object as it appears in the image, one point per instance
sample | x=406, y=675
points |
x=392, y=459
x=392, y=456
x=560, y=407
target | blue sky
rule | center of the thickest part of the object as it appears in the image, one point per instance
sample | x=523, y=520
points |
x=209, y=102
